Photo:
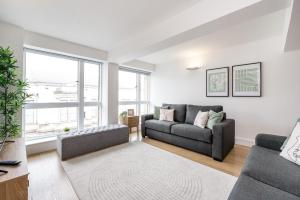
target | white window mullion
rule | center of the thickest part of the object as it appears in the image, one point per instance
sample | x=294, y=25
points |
x=148, y=93
x=81, y=96
x=24, y=78
x=99, y=95
x=50, y=105
x=138, y=94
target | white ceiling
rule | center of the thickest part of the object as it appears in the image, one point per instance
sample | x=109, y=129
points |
x=202, y=19
x=154, y=31
x=102, y=24
x=293, y=28
x=252, y=30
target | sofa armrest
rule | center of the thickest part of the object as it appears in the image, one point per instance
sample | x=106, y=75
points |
x=269, y=141
x=144, y=118
x=223, y=139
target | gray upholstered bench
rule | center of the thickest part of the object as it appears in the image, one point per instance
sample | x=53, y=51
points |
x=89, y=140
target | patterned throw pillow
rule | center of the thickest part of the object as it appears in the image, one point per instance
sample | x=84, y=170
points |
x=214, y=118
x=291, y=151
x=288, y=137
x=157, y=111
x=201, y=119
x=166, y=114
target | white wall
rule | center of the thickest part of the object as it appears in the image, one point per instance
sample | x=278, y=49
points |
x=275, y=112
x=16, y=37
x=110, y=89
x=12, y=36
x=57, y=45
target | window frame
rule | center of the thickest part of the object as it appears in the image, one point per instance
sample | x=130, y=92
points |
x=81, y=93
x=80, y=104
x=138, y=102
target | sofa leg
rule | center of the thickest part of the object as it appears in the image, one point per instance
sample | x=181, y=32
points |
x=217, y=159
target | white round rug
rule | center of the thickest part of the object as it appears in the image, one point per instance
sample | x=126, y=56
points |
x=138, y=171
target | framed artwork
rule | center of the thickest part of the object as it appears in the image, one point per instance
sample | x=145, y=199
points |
x=247, y=80
x=130, y=112
x=217, y=82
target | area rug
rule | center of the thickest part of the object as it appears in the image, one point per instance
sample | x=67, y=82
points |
x=138, y=171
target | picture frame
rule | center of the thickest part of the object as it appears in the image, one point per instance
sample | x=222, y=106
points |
x=217, y=82
x=247, y=80
x=130, y=112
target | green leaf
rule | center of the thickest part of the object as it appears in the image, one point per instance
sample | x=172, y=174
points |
x=12, y=93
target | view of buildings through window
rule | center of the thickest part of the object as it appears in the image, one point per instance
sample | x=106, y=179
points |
x=133, y=91
x=66, y=93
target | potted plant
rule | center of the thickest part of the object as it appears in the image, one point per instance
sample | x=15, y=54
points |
x=12, y=94
x=66, y=130
x=122, y=117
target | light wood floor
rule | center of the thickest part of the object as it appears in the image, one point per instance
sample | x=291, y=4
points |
x=48, y=181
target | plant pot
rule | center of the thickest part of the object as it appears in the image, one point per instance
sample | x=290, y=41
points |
x=122, y=120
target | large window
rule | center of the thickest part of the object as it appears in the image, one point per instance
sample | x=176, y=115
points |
x=66, y=93
x=133, y=91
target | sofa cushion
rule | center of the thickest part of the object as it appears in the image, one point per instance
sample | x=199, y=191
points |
x=179, y=113
x=267, y=166
x=192, y=111
x=247, y=188
x=158, y=125
x=192, y=132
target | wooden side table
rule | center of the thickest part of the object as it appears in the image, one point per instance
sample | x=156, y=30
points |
x=14, y=185
x=132, y=121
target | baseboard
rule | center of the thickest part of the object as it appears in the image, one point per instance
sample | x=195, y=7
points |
x=244, y=141
x=41, y=147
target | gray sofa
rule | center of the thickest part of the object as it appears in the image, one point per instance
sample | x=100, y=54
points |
x=216, y=143
x=267, y=175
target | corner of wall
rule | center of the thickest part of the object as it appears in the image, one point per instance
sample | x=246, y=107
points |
x=244, y=141
x=12, y=36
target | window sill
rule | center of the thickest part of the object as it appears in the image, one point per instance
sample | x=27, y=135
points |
x=41, y=140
